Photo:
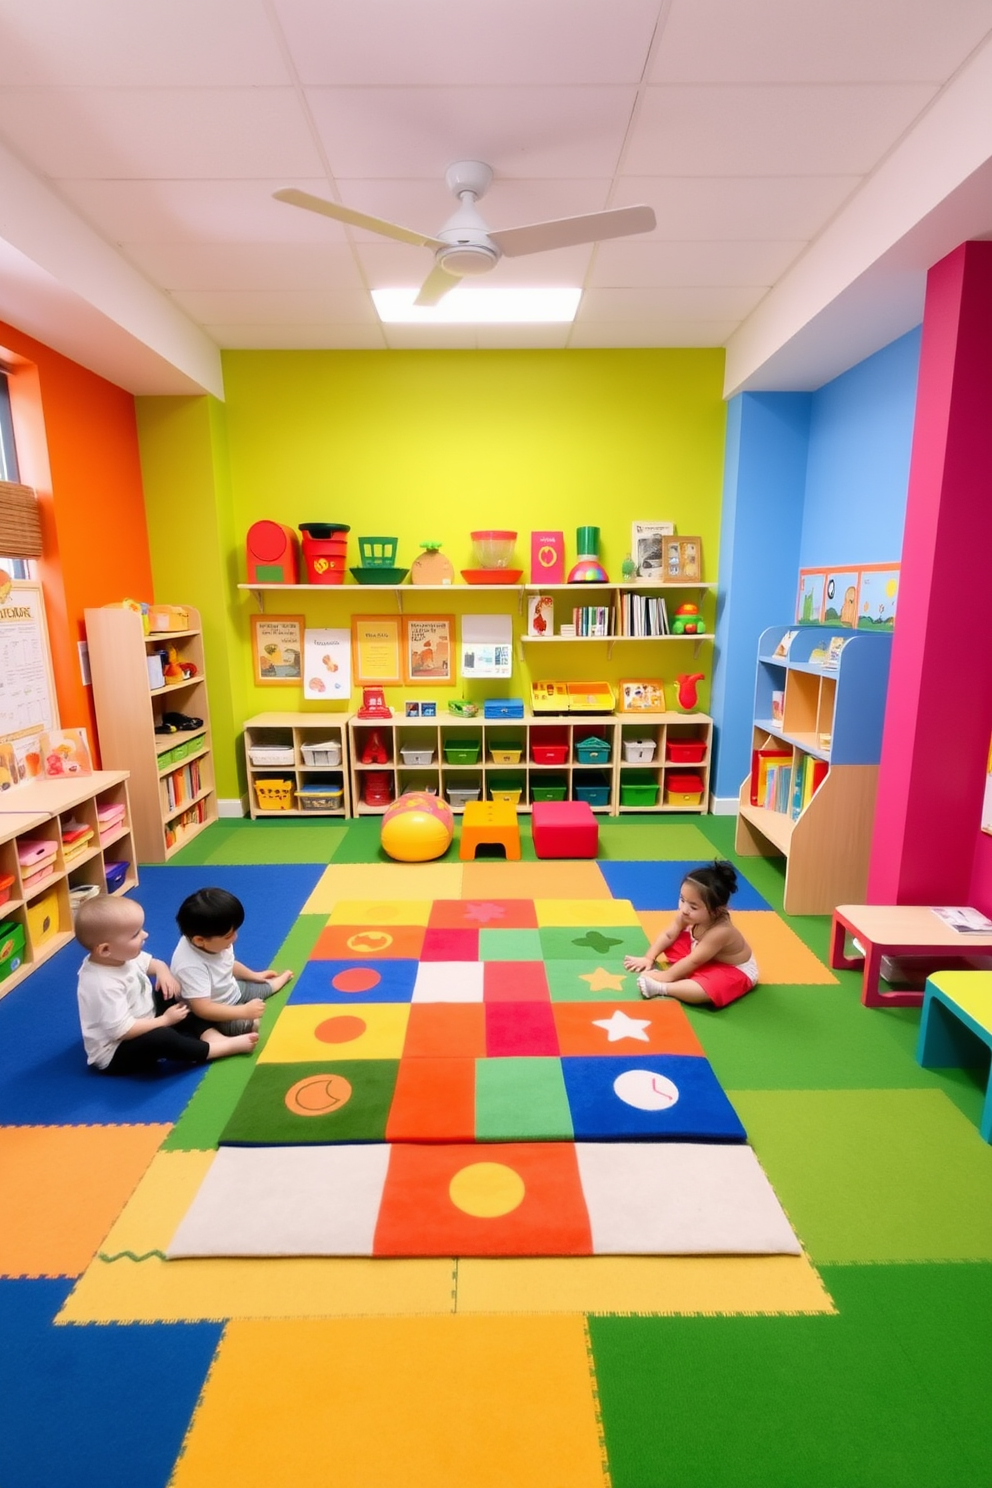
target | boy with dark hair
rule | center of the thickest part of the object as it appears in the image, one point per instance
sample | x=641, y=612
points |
x=217, y=988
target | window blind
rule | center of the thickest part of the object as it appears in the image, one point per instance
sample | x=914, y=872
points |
x=20, y=521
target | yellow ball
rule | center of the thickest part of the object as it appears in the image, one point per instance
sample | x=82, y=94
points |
x=417, y=827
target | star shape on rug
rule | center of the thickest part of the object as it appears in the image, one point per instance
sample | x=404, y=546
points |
x=484, y=912
x=602, y=980
x=620, y=1026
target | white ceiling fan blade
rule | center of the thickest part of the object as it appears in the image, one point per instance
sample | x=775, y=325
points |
x=437, y=284
x=566, y=232
x=355, y=219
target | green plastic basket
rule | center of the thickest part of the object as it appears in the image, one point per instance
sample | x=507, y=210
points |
x=378, y=552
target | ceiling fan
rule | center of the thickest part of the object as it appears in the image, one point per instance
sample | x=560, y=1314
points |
x=465, y=246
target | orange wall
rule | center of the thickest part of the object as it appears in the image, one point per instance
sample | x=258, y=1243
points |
x=77, y=444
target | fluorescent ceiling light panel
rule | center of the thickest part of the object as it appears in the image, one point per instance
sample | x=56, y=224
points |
x=464, y=306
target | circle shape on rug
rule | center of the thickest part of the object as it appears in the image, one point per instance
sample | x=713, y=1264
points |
x=369, y=942
x=318, y=1095
x=343, y=1029
x=356, y=979
x=487, y=1190
x=417, y=827
x=646, y=1090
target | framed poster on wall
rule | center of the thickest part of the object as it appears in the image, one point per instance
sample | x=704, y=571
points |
x=277, y=649
x=428, y=649
x=375, y=641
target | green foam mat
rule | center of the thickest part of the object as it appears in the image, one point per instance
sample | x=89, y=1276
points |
x=655, y=842
x=874, y=1175
x=236, y=844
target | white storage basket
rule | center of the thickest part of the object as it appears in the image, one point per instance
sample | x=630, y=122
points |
x=639, y=751
x=327, y=753
x=417, y=756
x=266, y=755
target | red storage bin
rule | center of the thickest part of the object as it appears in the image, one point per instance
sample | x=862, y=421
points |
x=325, y=551
x=683, y=790
x=549, y=754
x=686, y=751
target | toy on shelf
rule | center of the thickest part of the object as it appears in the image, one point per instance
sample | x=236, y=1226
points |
x=685, y=690
x=462, y=709
x=432, y=567
x=588, y=569
x=374, y=704
x=374, y=751
x=273, y=554
x=493, y=554
x=378, y=562
x=688, y=620
x=417, y=827
x=377, y=788
x=172, y=671
x=547, y=557
x=628, y=570
x=325, y=551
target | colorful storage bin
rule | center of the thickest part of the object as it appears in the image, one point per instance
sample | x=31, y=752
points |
x=593, y=795
x=327, y=797
x=683, y=790
x=328, y=752
x=548, y=789
x=462, y=751
x=43, y=918
x=417, y=756
x=116, y=874
x=267, y=755
x=274, y=795
x=11, y=947
x=549, y=754
x=686, y=751
x=505, y=754
x=6, y=884
x=592, y=751
x=638, y=791
x=459, y=794
x=639, y=751
x=509, y=791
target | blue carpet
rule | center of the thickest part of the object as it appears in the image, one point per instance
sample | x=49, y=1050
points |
x=656, y=885
x=109, y=1407
x=45, y=1080
x=700, y=1112
x=395, y=984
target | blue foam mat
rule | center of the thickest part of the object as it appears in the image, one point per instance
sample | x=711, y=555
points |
x=701, y=1112
x=396, y=982
x=656, y=885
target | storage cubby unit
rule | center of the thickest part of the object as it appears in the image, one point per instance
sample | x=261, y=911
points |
x=296, y=764
x=50, y=846
x=577, y=757
x=171, y=776
x=825, y=723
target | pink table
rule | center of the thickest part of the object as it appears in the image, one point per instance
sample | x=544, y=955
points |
x=896, y=930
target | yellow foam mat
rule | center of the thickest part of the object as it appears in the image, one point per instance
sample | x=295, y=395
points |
x=569, y=912
x=422, y=1402
x=381, y=912
x=306, y=1031
x=782, y=958
x=152, y=1214
x=643, y=1284
x=382, y=881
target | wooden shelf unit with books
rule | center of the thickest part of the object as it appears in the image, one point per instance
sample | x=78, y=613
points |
x=173, y=796
x=825, y=722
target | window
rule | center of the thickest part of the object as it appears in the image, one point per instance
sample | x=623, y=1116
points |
x=22, y=567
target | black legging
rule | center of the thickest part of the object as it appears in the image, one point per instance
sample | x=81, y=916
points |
x=180, y=1042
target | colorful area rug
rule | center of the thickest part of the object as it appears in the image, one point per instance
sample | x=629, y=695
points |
x=451, y=1068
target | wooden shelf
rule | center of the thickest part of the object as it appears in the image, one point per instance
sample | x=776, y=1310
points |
x=296, y=732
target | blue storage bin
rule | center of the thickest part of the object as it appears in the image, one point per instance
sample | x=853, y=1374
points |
x=592, y=751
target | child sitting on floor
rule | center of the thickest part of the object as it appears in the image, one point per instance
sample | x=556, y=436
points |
x=708, y=960
x=123, y=1033
x=217, y=988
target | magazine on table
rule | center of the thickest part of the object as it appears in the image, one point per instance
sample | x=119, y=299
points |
x=964, y=920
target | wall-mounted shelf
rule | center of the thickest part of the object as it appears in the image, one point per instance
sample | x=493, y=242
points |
x=398, y=590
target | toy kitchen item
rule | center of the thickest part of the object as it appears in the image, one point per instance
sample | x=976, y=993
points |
x=432, y=566
x=374, y=704
x=588, y=569
x=493, y=555
x=378, y=562
x=273, y=554
x=547, y=557
x=325, y=551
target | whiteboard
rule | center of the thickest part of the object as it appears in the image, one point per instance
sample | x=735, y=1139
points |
x=28, y=704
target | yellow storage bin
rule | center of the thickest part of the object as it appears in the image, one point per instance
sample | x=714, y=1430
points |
x=274, y=795
x=43, y=918
x=505, y=754
x=683, y=790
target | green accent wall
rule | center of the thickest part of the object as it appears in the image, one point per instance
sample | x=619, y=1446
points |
x=421, y=445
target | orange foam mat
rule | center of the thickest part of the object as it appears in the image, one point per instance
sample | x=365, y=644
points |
x=781, y=956
x=554, y=879
x=381, y=881
x=412, y=1401
x=63, y=1186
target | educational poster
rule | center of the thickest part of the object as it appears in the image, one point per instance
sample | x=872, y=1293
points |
x=487, y=646
x=840, y=597
x=809, y=602
x=277, y=649
x=327, y=665
x=376, y=648
x=428, y=649
x=28, y=706
x=877, y=598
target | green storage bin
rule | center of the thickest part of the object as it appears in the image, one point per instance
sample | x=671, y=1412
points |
x=464, y=752
x=11, y=947
x=179, y=752
x=549, y=789
x=637, y=789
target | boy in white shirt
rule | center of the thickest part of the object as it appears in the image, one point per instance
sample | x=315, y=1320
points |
x=226, y=995
x=123, y=1033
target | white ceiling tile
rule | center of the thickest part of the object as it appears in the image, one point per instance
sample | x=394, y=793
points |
x=731, y=131
x=661, y=332
x=153, y=43
x=146, y=132
x=556, y=132
x=735, y=208
x=246, y=266
x=289, y=307
x=395, y=42
x=693, y=303
x=280, y=337
x=788, y=41
x=201, y=211
x=646, y=262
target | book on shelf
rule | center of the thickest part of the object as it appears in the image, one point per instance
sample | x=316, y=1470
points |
x=810, y=774
x=782, y=649
x=761, y=761
x=642, y=615
x=593, y=621
x=835, y=646
x=964, y=920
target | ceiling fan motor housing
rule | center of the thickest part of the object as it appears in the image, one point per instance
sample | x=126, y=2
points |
x=465, y=257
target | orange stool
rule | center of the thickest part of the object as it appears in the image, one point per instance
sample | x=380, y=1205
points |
x=489, y=822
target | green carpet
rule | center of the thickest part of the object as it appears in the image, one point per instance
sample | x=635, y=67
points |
x=891, y=1393
x=632, y=841
x=233, y=844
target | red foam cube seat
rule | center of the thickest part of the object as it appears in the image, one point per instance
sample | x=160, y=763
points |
x=564, y=829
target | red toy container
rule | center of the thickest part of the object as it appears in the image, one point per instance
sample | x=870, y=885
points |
x=549, y=754
x=325, y=551
x=686, y=751
x=377, y=788
x=683, y=790
x=273, y=553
